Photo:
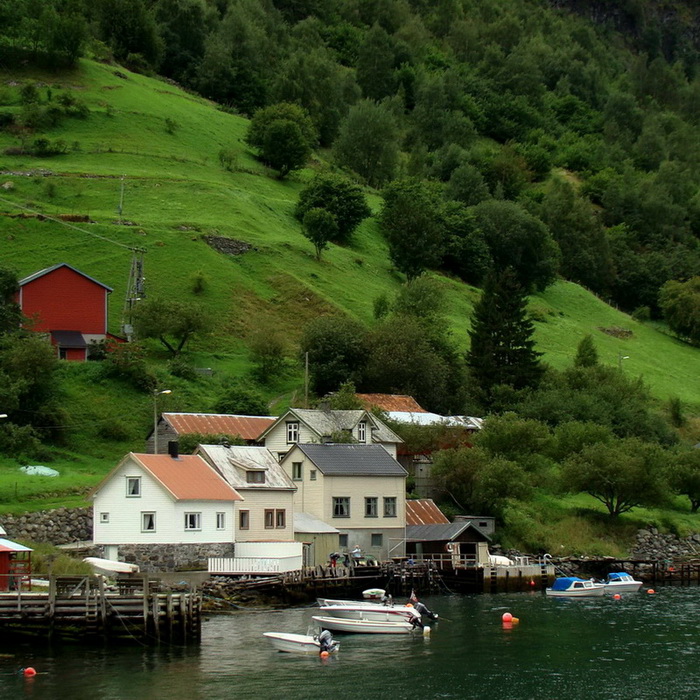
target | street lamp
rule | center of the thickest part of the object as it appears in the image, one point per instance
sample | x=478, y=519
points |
x=156, y=394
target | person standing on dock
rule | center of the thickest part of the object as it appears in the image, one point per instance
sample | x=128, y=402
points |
x=356, y=554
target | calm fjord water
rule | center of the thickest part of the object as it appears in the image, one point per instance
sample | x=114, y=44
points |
x=643, y=646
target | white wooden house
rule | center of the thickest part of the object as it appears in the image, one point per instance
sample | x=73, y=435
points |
x=359, y=489
x=303, y=426
x=154, y=500
x=267, y=512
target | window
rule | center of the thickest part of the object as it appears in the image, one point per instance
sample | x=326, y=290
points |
x=483, y=523
x=104, y=517
x=296, y=471
x=312, y=475
x=221, y=521
x=362, y=432
x=343, y=541
x=255, y=477
x=193, y=521
x=371, y=507
x=377, y=539
x=269, y=519
x=292, y=432
x=280, y=518
x=244, y=520
x=390, y=507
x=341, y=506
x=133, y=486
x=148, y=522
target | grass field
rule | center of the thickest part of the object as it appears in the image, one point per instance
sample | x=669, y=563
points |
x=154, y=147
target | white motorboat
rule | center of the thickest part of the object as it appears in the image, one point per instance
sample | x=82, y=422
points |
x=573, y=587
x=335, y=601
x=373, y=594
x=297, y=643
x=338, y=624
x=377, y=613
x=621, y=582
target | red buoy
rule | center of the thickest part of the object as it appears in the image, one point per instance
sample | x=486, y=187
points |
x=29, y=672
x=507, y=617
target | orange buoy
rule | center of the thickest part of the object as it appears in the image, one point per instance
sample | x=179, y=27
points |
x=617, y=596
x=324, y=654
x=507, y=617
x=515, y=620
x=29, y=672
x=651, y=590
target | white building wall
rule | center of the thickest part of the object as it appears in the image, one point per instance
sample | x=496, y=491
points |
x=276, y=439
x=256, y=502
x=125, y=513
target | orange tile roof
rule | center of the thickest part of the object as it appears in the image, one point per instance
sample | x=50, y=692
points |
x=187, y=478
x=391, y=402
x=422, y=511
x=248, y=427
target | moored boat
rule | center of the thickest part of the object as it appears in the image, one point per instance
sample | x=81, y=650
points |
x=374, y=594
x=574, y=587
x=621, y=582
x=337, y=624
x=297, y=643
x=378, y=613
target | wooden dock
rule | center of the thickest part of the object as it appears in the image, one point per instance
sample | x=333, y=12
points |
x=84, y=607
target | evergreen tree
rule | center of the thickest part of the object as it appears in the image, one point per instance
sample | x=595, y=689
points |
x=586, y=353
x=502, y=349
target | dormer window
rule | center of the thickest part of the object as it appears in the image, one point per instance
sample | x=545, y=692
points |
x=255, y=477
x=362, y=432
x=292, y=432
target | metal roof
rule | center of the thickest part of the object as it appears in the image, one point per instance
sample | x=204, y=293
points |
x=69, y=339
x=47, y=270
x=306, y=523
x=248, y=427
x=10, y=546
x=390, y=402
x=440, y=532
x=423, y=511
x=235, y=461
x=426, y=418
x=186, y=478
x=352, y=460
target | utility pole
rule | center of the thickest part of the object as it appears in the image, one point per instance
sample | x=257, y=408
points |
x=121, y=199
x=306, y=381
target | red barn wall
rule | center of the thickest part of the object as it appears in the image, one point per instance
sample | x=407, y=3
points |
x=63, y=300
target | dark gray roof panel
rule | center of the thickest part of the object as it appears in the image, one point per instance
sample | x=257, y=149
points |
x=352, y=460
x=442, y=532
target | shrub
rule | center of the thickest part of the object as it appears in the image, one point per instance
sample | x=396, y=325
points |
x=189, y=441
x=126, y=361
x=228, y=159
x=199, y=282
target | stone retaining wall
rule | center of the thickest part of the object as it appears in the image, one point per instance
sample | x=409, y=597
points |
x=155, y=558
x=652, y=544
x=59, y=526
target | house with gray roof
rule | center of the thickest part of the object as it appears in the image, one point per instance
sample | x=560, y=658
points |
x=358, y=488
x=304, y=426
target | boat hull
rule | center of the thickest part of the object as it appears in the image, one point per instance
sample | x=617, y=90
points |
x=577, y=593
x=368, y=612
x=295, y=643
x=623, y=587
x=337, y=624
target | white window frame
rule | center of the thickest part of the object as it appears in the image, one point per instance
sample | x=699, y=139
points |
x=221, y=521
x=297, y=471
x=148, y=514
x=104, y=517
x=292, y=432
x=193, y=521
x=371, y=507
x=341, y=503
x=362, y=431
x=129, y=491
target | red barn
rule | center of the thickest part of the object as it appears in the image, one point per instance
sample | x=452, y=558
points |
x=67, y=304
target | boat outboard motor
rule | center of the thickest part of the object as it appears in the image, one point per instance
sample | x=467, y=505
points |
x=416, y=621
x=325, y=639
x=423, y=610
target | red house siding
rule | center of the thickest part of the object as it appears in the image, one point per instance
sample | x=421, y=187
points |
x=74, y=354
x=65, y=300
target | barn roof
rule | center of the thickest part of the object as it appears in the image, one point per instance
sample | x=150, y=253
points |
x=248, y=427
x=352, y=460
x=48, y=270
x=235, y=461
x=186, y=478
x=390, y=402
x=426, y=418
x=423, y=511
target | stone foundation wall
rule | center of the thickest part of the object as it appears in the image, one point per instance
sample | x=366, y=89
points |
x=652, y=544
x=156, y=558
x=59, y=526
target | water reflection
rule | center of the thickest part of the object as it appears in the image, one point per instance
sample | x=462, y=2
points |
x=638, y=647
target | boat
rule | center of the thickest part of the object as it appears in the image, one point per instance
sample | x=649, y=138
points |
x=297, y=643
x=621, y=582
x=372, y=603
x=338, y=624
x=377, y=613
x=373, y=594
x=574, y=587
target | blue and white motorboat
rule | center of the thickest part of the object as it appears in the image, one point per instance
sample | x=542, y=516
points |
x=574, y=587
x=621, y=582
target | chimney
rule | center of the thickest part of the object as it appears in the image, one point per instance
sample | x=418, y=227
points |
x=174, y=449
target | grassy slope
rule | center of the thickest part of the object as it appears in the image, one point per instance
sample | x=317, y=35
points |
x=175, y=191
